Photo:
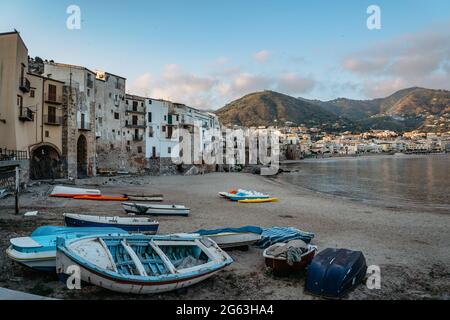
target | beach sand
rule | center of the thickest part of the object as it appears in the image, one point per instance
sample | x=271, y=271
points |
x=411, y=247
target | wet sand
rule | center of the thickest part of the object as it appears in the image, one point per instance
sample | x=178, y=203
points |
x=410, y=246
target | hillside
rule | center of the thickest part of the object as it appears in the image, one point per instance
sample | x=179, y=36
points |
x=408, y=109
x=270, y=108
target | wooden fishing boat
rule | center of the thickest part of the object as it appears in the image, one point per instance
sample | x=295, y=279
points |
x=143, y=197
x=259, y=200
x=39, y=250
x=286, y=258
x=155, y=209
x=130, y=224
x=141, y=264
x=231, y=238
x=100, y=198
x=70, y=192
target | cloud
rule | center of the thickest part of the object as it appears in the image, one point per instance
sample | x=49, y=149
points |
x=176, y=85
x=262, y=56
x=295, y=84
x=417, y=59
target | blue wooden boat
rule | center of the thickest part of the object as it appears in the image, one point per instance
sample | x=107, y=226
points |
x=141, y=264
x=39, y=250
x=334, y=272
x=130, y=224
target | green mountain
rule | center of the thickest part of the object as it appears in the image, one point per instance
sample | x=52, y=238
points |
x=272, y=108
x=408, y=109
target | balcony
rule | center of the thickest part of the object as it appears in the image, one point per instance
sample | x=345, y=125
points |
x=138, y=137
x=26, y=114
x=52, y=98
x=136, y=125
x=52, y=120
x=135, y=110
x=84, y=126
x=24, y=84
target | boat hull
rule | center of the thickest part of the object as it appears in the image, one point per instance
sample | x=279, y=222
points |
x=148, y=229
x=133, y=287
x=154, y=211
x=43, y=261
x=235, y=240
x=334, y=272
x=70, y=192
x=282, y=268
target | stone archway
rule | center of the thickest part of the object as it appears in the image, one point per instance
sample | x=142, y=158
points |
x=82, y=157
x=45, y=163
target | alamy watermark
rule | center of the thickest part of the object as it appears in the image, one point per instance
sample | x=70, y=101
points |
x=227, y=147
x=73, y=21
x=374, y=20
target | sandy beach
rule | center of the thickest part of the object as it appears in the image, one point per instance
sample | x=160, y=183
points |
x=411, y=247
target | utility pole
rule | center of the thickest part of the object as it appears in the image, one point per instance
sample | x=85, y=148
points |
x=17, y=189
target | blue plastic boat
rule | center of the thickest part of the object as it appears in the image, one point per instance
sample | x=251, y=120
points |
x=334, y=272
x=39, y=250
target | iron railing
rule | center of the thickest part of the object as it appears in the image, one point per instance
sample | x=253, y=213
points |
x=8, y=155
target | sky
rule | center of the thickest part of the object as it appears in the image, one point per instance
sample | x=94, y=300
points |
x=206, y=53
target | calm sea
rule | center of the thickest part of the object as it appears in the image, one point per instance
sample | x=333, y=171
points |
x=393, y=181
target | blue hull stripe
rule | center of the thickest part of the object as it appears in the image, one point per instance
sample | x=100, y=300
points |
x=130, y=228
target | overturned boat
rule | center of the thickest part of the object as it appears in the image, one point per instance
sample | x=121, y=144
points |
x=155, y=209
x=38, y=251
x=141, y=264
x=334, y=272
x=286, y=258
x=70, y=192
x=130, y=224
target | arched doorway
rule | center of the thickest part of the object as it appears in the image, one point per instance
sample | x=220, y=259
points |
x=82, y=157
x=45, y=163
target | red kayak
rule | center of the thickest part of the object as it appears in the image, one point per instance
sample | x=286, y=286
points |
x=99, y=198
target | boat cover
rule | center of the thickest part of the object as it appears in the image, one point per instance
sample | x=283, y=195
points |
x=333, y=272
x=274, y=235
x=245, y=229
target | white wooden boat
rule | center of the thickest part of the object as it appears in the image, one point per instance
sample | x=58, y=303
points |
x=155, y=209
x=141, y=264
x=228, y=238
x=130, y=224
x=70, y=192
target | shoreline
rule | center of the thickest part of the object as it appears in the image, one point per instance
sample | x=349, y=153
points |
x=364, y=156
x=410, y=246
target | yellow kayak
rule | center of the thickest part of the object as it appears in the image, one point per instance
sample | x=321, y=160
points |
x=259, y=200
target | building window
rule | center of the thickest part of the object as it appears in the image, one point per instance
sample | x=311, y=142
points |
x=163, y=129
x=19, y=101
x=135, y=105
x=99, y=106
x=51, y=114
x=47, y=134
x=100, y=120
x=169, y=150
x=150, y=132
x=88, y=92
x=139, y=149
x=116, y=115
x=110, y=95
x=31, y=93
x=128, y=142
x=150, y=117
x=111, y=146
x=165, y=118
x=149, y=101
